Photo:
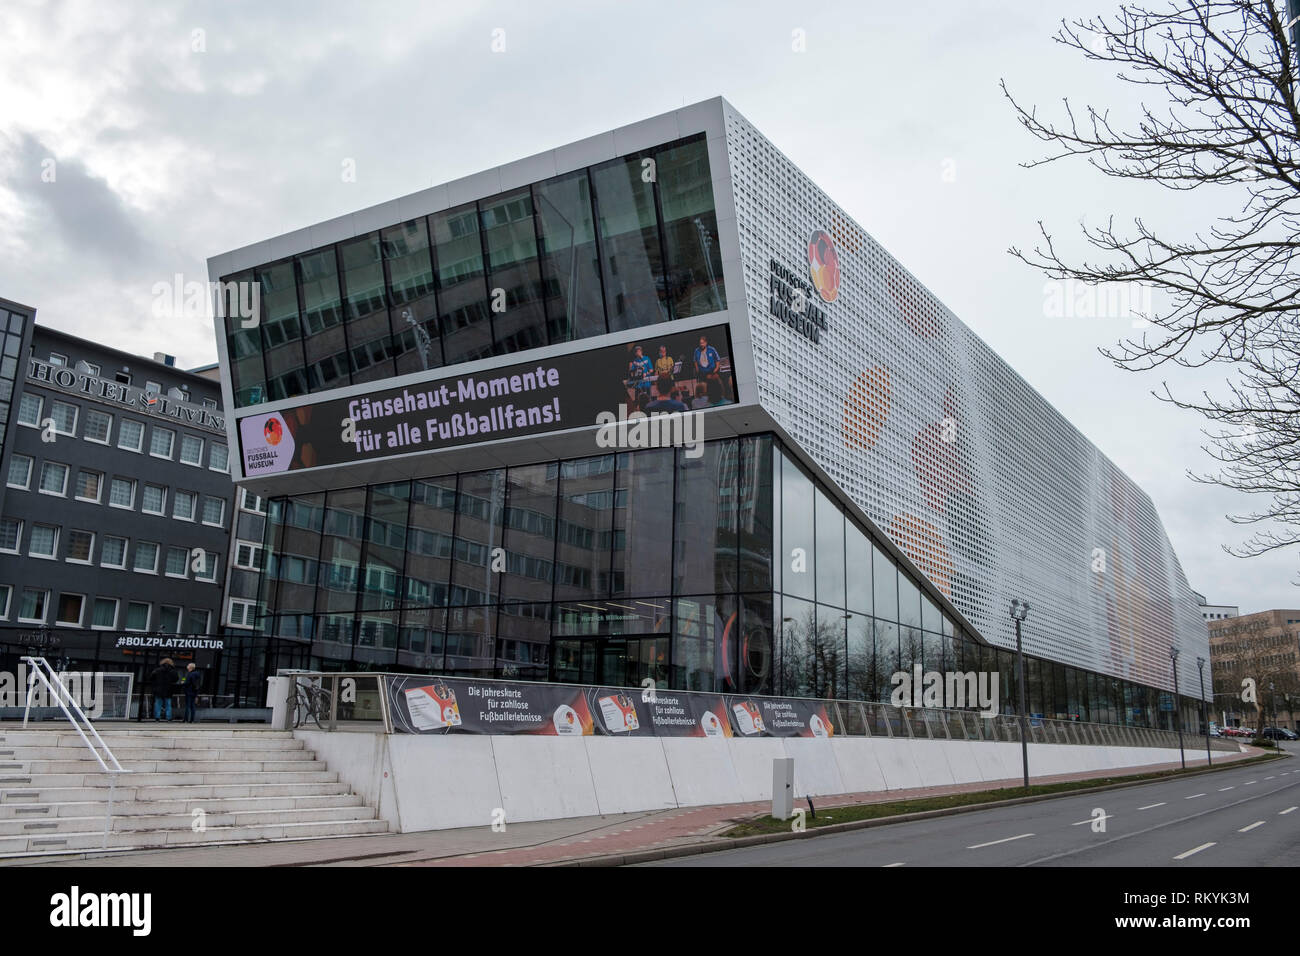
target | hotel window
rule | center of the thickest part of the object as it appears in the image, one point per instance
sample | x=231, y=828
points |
x=20, y=472
x=191, y=450
x=197, y=620
x=130, y=435
x=208, y=567
x=31, y=609
x=161, y=442
x=251, y=502
x=146, y=557
x=54, y=479
x=137, y=616
x=6, y=592
x=169, y=618
x=121, y=493
x=178, y=563
x=92, y=369
x=57, y=359
x=11, y=533
x=68, y=610
x=29, y=410
x=122, y=378
x=89, y=485
x=43, y=541
x=104, y=615
x=152, y=388
x=65, y=418
x=183, y=505
x=218, y=457
x=214, y=510
x=81, y=544
x=98, y=426
x=153, y=501
x=112, y=552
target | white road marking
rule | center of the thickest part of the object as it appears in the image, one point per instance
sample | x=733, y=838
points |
x=979, y=846
x=888, y=865
x=1197, y=849
x=1222, y=789
x=1104, y=816
x=1257, y=823
x=1152, y=806
x=1194, y=796
x=1268, y=778
x=1249, y=782
x=1281, y=813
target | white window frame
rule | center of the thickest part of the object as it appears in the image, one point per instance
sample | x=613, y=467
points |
x=90, y=471
x=211, y=467
x=93, y=369
x=63, y=492
x=203, y=508
x=126, y=507
x=162, y=507
x=34, y=620
x=108, y=435
x=171, y=445
x=91, y=550
x=40, y=407
x=249, y=609
x=244, y=497
x=54, y=554
x=7, y=592
x=180, y=616
x=207, y=619
x=186, y=564
x=76, y=417
x=209, y=562
x=139, y=447
x=180, y=452
x=18, y=538
x=117, y=610
x=194, y=504
x=157, y=553
x=31, y=468
x=126, y=552
x=58, y=358
x=255, y=555
x=148, y=616
x=80, y=617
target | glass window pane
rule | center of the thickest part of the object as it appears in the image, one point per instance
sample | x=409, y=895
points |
x=570, y=260
x=385, y=546
x=480, y=504
x=690, y=230
x=529, y=539
x=416, y=338
x=324, y=339
x=161, y=442
x=105, y=613
x=582, y=552
x=365, y=309
x=857, y=557
x=909, y=601
x=643, y=533
x=281, y=332
x=884, y=574
x=513, y=274
x=755, y=514
x=429, y=542
x=798, y=647
x=631, y=257
x=462, y=288
x=830, y=551
x=798, y=558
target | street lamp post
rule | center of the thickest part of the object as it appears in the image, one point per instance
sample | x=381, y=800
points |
x=1020, y=611
x=1178, y=716
x=1200, y=670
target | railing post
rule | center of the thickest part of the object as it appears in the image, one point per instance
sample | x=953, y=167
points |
x=334, y=702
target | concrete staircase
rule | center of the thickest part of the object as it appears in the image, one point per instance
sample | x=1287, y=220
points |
x=251, y=785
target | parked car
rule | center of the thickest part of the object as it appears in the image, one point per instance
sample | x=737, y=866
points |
x=1277, y=733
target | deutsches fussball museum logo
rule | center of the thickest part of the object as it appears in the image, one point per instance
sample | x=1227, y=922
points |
x=824, y=266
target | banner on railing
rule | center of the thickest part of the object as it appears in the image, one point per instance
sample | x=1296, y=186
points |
x=440, y=705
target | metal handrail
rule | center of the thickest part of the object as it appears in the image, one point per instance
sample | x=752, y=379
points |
x=54, y=683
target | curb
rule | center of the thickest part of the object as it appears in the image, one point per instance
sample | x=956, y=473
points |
x=717, y=844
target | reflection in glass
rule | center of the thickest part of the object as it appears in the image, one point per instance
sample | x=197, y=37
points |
x=643, y=513
x=513, y=276
x=631, y=257
x=575, y=305
x=690, y=230
x=462, y=289
x=365, y=309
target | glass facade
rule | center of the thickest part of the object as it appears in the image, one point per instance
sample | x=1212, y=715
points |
x=623, y=244
x=734, y=571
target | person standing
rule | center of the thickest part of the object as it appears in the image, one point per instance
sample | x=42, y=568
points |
x=707, y=360
x=193, y=681
x=162, y=681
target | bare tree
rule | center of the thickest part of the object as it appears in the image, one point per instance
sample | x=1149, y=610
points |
x=1225, y=122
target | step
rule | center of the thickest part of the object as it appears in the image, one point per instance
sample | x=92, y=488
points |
x=201, y=740
x=148, y=779
x=29, y=795
x=129, y=756
x=64, y=842
x=132, y=765
x=47, y=810
x=94, y=822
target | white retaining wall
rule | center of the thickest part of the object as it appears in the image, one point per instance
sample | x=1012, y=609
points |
x=440, y=782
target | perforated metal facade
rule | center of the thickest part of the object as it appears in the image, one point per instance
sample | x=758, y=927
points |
x=974, y=475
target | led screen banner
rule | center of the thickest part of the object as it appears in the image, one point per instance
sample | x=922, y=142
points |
x=656, y=374
x=425, y=704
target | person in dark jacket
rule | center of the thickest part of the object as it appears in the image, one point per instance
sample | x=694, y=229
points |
x=162, y=681
x=193, y=680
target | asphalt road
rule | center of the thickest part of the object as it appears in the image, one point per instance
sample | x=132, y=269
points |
x=1247, y=816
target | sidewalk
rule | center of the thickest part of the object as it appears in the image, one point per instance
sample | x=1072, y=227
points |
x=537, y=843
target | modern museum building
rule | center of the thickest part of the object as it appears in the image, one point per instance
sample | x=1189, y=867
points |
x=652, y=405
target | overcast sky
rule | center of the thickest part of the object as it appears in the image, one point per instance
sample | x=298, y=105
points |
x=171, y=145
